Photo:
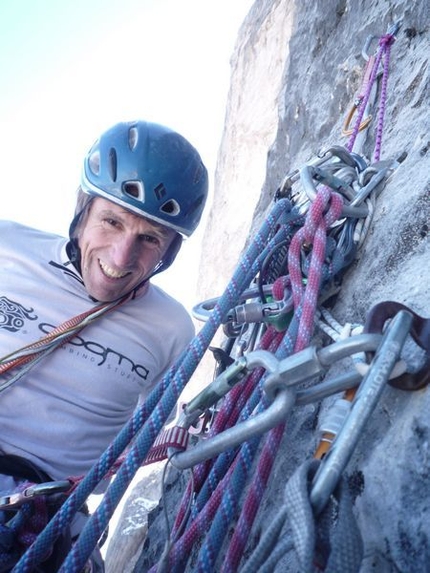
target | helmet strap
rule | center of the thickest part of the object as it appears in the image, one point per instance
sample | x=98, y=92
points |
x=72, y=248
x=169, y=256
x=166, y=261
x=74, y=254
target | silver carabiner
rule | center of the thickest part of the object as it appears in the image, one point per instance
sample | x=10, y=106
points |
x=18, y=498
x=374, y=382
x=255, y=425
x=392, y=30
x=203, y=310
x=306, y=176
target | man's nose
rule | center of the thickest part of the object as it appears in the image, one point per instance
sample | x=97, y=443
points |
x=125, y=251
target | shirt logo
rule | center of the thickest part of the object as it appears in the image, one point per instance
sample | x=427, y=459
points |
x=91, y=350
x=13, y=315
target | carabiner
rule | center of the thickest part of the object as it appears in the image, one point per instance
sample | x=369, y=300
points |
x=420, y=332
x=306, y=176
x=203, y=310
x=18, y=498
x=367, y=43
x=232, y=437
x=370, y=390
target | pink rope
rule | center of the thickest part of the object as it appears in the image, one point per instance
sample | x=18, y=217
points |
x=384, y=48
x=313, y=232
x=227, y=417
x=183, y=546
x=385, y=43
x=325, y=209
x=253, y=499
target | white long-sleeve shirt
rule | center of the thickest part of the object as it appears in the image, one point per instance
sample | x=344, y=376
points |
x=65, y=411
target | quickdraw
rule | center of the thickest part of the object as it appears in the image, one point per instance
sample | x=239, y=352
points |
x=279, y=387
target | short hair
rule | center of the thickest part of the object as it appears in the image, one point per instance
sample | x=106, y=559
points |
x=83, y=202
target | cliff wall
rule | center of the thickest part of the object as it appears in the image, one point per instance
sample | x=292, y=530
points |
x=296, y=70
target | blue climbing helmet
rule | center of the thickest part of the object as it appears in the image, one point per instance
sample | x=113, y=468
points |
x=150, y=170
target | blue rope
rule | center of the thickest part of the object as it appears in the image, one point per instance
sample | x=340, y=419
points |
x=144, y=440
x=219, y=469
x=161, y=401
x=228, y=509
x=223, y=461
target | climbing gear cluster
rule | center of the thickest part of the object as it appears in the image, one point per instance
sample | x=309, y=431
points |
x=270, y=363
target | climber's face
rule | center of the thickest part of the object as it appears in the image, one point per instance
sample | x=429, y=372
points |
x=119, y=249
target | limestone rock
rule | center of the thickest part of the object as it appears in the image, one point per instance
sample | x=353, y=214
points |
x=296, y=69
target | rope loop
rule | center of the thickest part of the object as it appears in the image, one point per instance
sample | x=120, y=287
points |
x=387, y=40
x=323, y=212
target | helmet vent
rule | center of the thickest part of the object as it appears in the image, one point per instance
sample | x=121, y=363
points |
x=113, y=162
x=94, y=162
x=134, y=189
x=170, y=207
x=133, y=136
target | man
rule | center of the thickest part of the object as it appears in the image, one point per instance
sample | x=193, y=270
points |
x=105, y=335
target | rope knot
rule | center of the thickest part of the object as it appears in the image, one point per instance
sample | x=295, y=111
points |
x=325, y=209
x=387, y=40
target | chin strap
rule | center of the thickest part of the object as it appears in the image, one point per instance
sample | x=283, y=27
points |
x=74, y=253
x=169, y=256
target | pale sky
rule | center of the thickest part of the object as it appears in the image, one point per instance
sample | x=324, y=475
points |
x=71, y=69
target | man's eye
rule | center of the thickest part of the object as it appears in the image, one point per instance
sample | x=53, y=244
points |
x=111, y=222
x=150, y=239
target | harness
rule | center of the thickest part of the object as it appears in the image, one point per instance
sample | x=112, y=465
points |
x=276, y=302
x=27, y=510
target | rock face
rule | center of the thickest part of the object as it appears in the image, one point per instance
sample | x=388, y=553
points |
x=296, y=71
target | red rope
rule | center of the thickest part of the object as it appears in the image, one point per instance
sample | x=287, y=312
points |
x=69, y=325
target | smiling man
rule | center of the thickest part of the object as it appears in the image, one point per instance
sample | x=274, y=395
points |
x=143, y=190
x=119, y=250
